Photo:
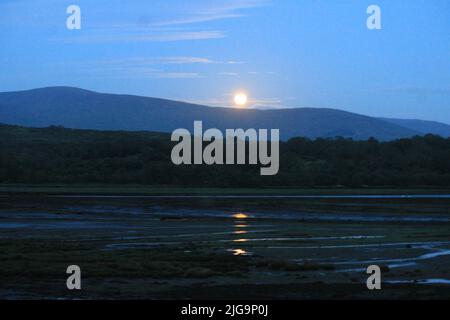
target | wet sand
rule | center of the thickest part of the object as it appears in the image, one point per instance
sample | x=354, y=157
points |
x=171, y=248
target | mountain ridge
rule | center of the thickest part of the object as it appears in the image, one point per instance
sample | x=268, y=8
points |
x=85, y=109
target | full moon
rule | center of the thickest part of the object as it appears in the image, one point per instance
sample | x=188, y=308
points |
x=240, y=99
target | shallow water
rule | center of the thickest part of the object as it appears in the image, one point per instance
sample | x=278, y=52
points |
x=266, y=214
x=420, y=281
x=404, y=236
x=350, y=196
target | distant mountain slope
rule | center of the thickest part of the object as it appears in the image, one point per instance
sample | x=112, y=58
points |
x=423, y=126
x=83, y=109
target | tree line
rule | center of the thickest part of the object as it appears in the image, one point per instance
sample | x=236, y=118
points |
x=60, y=155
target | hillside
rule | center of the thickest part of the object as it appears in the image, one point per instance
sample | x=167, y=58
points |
x=426, y=127
x=83, y=109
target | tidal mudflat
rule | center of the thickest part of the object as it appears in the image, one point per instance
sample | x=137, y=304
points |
x=225, y=247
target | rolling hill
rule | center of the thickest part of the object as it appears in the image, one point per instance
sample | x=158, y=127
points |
x=83, y=109
x=423, y=126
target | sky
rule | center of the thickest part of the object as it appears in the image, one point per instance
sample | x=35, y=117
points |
x=282, y=53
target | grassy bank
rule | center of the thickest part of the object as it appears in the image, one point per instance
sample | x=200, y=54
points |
x=98, y=189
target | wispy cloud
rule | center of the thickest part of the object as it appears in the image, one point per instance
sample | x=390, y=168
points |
x=133, y=73
x=170, y=67
x=253, y=103
x=266, y=103
x=183, y=60
x=173, y=75
x=229, y=74
x=418, y=90
x=182, y=22
x=190, y=60
x=138, y=62
x=148, y=61
x=261, y=73
x=208, y=12
x=140, y=36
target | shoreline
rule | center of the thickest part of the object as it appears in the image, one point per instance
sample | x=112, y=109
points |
x=149, y=191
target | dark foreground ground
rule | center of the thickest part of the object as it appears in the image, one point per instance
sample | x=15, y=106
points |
x=224, y=247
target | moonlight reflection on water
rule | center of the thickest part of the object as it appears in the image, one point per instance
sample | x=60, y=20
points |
x=238, y=225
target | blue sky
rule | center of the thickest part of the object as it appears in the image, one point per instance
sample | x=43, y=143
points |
x=283, y=53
